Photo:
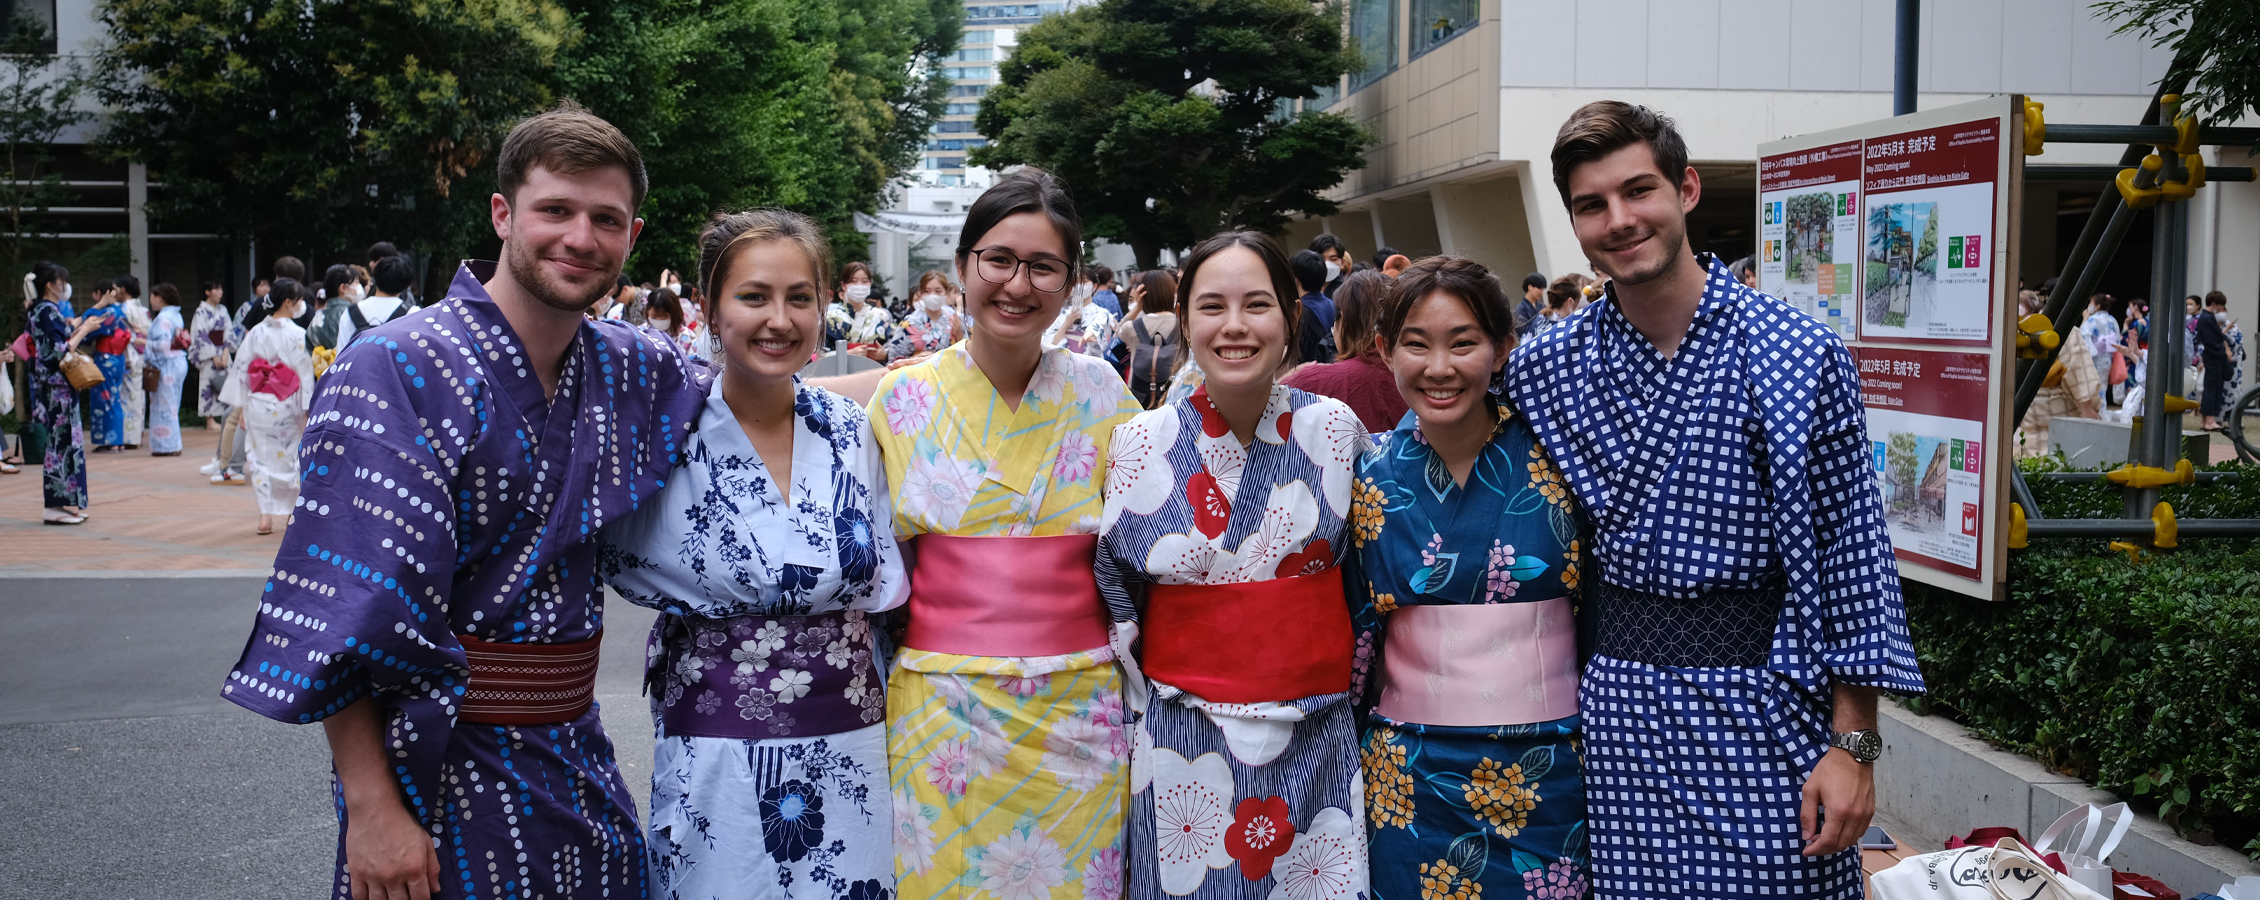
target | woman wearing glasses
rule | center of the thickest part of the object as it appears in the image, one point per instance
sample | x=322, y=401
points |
x=1005, y=738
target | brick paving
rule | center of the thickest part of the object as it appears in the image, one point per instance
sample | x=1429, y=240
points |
x=147, y=513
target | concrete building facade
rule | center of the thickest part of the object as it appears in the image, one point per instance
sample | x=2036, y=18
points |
x=1466, y=96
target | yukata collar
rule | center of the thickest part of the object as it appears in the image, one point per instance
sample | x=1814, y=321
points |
x=525, y=391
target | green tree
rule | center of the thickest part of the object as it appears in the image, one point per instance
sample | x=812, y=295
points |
x=39, y=99
x=2218, y=39
x=316, y=127
x=1162, y=115
x=813, y=105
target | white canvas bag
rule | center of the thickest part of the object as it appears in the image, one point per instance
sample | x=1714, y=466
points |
x=2007, y=870
x=2089, y=860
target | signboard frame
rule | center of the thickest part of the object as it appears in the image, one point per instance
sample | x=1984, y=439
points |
x=1900, y=367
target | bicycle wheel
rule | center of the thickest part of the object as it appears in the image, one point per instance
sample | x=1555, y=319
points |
x=2245, y=407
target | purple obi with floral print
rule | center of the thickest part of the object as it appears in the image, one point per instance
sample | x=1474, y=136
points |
x=756, y=677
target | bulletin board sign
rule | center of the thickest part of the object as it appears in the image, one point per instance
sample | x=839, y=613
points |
x=1900, y=235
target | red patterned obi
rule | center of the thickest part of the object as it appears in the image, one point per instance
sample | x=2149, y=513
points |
x=528, y=684
x=1005, y=596
x=1253, y=642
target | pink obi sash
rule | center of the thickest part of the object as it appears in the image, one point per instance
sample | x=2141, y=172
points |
x=1005, y=596
x=1488, y=664
x=1278, y=640
x=271, y=379
x=528, y=684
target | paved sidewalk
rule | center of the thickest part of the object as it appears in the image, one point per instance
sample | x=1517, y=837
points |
x=147, y=513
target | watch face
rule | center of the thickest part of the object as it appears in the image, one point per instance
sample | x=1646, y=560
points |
x=1867, y=745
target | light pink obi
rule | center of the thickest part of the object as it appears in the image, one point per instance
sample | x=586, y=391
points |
x=1005, y=596
x=1488, y=664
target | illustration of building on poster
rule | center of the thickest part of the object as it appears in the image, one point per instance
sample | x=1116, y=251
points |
x=1927, y=422
x=1927, y=204
x=1809, y=232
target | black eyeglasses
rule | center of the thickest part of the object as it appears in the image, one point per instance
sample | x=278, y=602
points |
x=997, y=265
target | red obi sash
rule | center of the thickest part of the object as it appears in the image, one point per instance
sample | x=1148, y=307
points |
x=272, y=379
x=1259, y=641
x=528, y=684
x=1005, y=596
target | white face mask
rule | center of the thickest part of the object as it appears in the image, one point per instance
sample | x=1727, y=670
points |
x=660, y=324
x=66, y=292
x=932, y=302
x=1333, y=271
x=859, y=292
x=354, y=293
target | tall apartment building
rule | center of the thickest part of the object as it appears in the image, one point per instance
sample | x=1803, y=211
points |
x=990, y=29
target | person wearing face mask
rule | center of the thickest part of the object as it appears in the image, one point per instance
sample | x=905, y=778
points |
x=1484, y=557
x=1316, y=344
x=854, y=320
x=932, y=323
x=339, y=291
x=385, y=301
x=1226, y=521
x=272, y=381
x=54, y=404
x=768, y=555
x=1006, y=742
x=111, y=335
x=1336, y=256
x=663, y=312
x=1083, y=326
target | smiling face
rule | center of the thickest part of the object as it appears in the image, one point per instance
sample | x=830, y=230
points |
x=564, y=237
x=1443, y=361
x=1630, y=218
x=1235, y=323
x=1014, y=312
x=767, y=310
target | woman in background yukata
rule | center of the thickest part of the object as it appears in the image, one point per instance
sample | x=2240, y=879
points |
x=212, y=336
x=272, y=381
x=1005, y=710
x=172, y=369
x=53, y=404
x=1225, y=519
x=766, y=552
x=934, y=321
x=1467, y=554
x=102, y=329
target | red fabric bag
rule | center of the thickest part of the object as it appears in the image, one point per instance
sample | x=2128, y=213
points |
x=2120, y=881
x=22, y=347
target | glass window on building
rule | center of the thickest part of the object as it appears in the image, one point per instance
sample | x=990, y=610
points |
x=1327, y=95
x=979, y=37
x=949, y=162
x=953, y=127
x=978, y=54
x=1437, y=21
x=961, y=109
x=969, y=90
x=966, y=73
x=1373, y=33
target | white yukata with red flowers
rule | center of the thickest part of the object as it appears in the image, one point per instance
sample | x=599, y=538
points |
x=1248, y=801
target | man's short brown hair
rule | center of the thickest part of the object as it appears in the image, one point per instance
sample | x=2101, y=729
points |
x=1602, y=127
x=568, y=140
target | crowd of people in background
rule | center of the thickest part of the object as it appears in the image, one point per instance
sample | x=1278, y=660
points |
x=2103, y=370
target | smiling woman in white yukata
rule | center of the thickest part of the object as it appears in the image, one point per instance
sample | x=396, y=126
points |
x=766, y=551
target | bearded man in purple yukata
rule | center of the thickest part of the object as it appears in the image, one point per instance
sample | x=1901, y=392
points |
x=435, y=604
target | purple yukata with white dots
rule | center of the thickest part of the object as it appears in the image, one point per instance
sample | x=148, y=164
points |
x=1738, y=466
x=443, y=495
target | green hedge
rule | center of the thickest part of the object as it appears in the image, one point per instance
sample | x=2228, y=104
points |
x=2138, y=677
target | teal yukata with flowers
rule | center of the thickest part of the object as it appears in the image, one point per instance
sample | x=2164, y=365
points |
x=1495, y=811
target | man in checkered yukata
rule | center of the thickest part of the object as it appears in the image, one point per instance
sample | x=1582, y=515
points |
x=1744, y=606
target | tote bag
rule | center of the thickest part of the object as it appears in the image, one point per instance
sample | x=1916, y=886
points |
x=2008, y=870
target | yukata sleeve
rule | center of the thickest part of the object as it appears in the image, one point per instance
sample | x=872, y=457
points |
x=891, y=586
x=52, y=337
x=358, y=603
x=1369, y=625
x=1864, y=637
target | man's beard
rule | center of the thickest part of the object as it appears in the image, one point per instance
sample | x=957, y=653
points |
x=526, y=270
x=1674, y=244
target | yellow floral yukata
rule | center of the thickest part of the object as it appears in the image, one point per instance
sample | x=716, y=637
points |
x=1009, y=773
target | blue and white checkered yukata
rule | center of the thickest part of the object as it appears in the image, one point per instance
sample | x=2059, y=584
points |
x=1744, y=570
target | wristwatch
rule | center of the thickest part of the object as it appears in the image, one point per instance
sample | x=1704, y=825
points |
x=1865, y=745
